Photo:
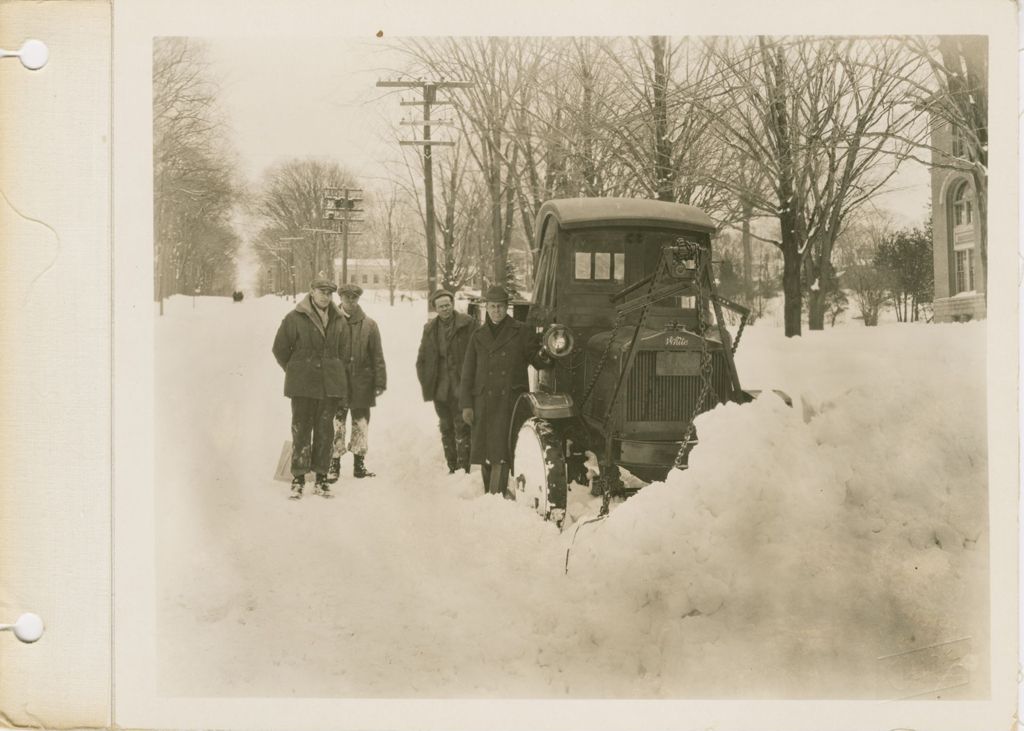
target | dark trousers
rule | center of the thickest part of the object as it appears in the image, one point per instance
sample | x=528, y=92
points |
x=454, y=433
x=312, y=434
x=495, y=478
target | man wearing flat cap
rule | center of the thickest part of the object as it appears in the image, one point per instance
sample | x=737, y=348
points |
x=494, y=374
x=308, y=348
x=439, y=368
x=363, y=358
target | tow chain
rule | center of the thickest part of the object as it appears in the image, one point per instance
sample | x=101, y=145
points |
x=744, y=314
x=600, y=363
x=739, y=334
x=705, y=367
x=606, y=481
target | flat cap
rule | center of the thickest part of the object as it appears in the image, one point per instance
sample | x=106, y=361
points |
x=495, y=294
x=440, y=293
x=351, y=288
x=323, y=283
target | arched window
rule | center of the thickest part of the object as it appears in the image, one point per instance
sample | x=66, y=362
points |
x=962, y=203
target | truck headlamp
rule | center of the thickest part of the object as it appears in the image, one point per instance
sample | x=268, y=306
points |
x=558, y=341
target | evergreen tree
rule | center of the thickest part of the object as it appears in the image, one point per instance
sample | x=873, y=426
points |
x=511, y=283
x=907, y=256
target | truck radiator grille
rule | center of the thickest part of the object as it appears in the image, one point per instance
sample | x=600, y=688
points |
x=650, y=397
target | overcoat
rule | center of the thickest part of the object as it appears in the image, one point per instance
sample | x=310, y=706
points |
x=310, y=353
x=494, y=374
x=427, y=359
x=363, y=357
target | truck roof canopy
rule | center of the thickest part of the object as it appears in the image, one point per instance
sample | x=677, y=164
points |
x=586, y=212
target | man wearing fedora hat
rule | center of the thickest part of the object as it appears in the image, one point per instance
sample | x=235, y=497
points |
x=363, y=358
x=308, y=348
x=439, y=369
x=494, y=374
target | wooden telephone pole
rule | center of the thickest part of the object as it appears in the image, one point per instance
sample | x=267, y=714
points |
x=341, y=205
x=429, y=90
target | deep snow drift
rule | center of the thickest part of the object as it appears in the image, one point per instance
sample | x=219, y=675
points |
x=837, y=549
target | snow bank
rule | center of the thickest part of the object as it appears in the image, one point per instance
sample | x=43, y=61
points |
x=806, y=553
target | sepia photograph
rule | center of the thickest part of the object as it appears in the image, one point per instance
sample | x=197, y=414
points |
x=571, y=367
x=557, y=366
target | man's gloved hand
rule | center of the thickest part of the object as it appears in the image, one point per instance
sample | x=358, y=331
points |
x=467, y=416
x=378, y=391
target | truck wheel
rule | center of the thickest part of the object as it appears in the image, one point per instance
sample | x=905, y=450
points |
x=538, y=469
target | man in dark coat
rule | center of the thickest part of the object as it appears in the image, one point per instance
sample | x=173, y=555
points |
x=494, y=374
x=308, y=348
x=439, y=368
x=363, y=357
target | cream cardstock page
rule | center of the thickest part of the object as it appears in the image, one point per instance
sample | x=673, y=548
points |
x=80, y=515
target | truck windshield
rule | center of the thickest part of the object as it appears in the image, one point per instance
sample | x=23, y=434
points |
x=623, y=256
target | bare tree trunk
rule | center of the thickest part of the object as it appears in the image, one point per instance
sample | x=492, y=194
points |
x=791, y=292
x=662, y=145
x=748, y=252
x=391, y=270
x=818, y=299
x=501, y=265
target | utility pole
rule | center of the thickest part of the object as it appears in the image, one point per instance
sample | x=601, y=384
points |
x=290, y=240
x=429, y=90
x=339, y=205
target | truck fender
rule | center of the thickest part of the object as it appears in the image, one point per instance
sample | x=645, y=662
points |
x=550, y=405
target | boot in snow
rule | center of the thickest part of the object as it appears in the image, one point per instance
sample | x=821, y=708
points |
x=450, y=452
x=359, y=467
x=334, y=471
x=322, y=487
x=298, y=482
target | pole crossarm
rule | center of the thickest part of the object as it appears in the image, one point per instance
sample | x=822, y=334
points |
x=420, y=104
x=421, y=84
x=426, y=142
x=429, y=91
x=426, y=122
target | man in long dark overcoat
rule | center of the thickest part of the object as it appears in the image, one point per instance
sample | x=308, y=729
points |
x=494, y=374
x=363, y=357
x=439, y=369
x=308, y=348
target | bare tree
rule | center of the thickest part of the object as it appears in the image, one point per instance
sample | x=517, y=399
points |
x=822, y=120
x=194, y=186
x=464, y=202
x=390, y=235
x=856, y=254
x=292, y=202
x=501, y=70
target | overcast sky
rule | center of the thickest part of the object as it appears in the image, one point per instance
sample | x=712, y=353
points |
x=294, y=98
x=299, y=97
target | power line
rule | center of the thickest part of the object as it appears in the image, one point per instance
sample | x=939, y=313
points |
x=429, y=90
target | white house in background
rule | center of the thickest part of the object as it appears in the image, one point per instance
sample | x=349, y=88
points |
x=960, y=275
x=367, y=273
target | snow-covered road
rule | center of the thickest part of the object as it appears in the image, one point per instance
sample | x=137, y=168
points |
x=808, y=552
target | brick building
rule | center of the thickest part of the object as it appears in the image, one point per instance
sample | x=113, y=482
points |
x=960, y=274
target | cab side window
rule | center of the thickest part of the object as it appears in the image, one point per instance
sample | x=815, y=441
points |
x=546, y=266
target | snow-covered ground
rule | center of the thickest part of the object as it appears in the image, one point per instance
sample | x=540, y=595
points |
x=838, y=549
